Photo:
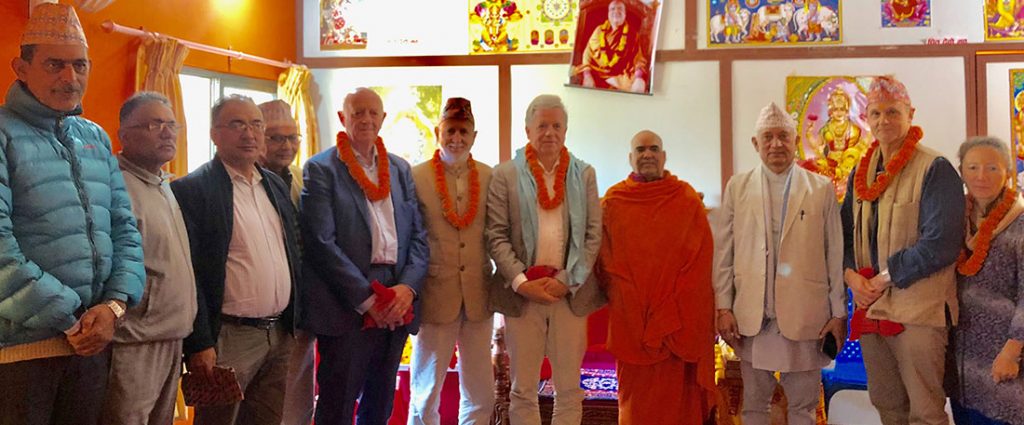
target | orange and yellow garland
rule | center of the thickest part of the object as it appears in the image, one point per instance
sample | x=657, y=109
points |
x=970, y=265
x=543, y=197
x=374, y=192
x=892, y=169
x=449, y=208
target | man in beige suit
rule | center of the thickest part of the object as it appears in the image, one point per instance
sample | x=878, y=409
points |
x=544, y=232
x=779, y=273
x=452, y=193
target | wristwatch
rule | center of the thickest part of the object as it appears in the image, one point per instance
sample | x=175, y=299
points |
x=116, y=308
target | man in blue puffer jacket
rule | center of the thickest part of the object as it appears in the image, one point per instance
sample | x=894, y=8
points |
x=70, y=251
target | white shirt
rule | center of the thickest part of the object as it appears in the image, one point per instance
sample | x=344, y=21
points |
x=257, y=281
x=382, y=217
x=550, y=249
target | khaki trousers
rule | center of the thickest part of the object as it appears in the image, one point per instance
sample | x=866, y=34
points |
x=431, y=352
x=552, y=331
x=260, y=360
x=905, y=375
x=143, y=385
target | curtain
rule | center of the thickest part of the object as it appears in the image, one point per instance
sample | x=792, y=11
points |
x=293, y=87
x=157, y=66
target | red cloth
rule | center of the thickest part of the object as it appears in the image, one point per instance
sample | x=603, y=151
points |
x=384, y=296
x=861, y=325
x=537, y=272
x=655, y=264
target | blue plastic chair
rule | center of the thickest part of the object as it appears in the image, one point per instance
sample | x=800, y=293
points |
x=848, y=372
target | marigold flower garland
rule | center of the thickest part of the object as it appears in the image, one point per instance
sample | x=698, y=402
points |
x=892, y=169
x=374, y=192
x=449, y=208
x=971, y=265
x=548, y=202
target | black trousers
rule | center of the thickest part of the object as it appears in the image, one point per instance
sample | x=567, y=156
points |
x=65, y=390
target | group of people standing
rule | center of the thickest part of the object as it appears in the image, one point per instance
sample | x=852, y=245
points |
x=112, y=273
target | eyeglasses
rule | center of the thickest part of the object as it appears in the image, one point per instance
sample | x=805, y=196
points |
x=241, y=126
x=281, y=139
x=158, y=125
x=55, y=66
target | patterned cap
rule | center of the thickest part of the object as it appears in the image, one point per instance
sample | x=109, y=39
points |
x=277, y=113
x=457, y=108
x=772, y=116
x=54, y=23
x=887, y=89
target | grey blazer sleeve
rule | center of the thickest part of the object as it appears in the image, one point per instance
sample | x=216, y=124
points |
x=499, y=225
x=722, y=219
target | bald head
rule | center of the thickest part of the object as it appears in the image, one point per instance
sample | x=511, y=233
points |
x=647, y=156
x=362, y=116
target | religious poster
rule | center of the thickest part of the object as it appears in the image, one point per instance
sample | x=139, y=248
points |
x=408, y=128
x=521, y=26
x=774, y=22
x=615, y=45
x=1017, y=121
x=339, y=24
x=906, y=13
x=832, y=128
x=1004, y=20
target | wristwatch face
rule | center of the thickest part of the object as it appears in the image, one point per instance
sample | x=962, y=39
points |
x=116, y=308
x=556, y=10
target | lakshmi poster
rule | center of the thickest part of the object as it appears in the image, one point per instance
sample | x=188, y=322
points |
x=906, y=13
x=1017, y=121
x=832, y=129
x=528, y=26
x=1004, y=20
x=412, y=113
x=339, y=24
x=774, y=22
x=615, y=45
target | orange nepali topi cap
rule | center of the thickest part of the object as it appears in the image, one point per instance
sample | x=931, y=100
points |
x=887, y=89
x=53, y=23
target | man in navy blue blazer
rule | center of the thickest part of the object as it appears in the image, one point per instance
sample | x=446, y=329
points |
x=361, y=225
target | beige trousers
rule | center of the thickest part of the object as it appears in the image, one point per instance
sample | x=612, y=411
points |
x=552, y=331
x=905, y=375
x=431, y=353
x=143, y=384
x=802, y=394
x=260, y=359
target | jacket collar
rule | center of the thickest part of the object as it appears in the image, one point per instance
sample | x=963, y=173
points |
x=23, y=103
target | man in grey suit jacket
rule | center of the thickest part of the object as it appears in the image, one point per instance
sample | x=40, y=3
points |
x=544, y=232
x=779, y=273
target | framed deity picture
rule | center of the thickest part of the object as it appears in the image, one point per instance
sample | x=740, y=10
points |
x=906, y=13
x=1004, y=20
x=339, y=24
x=832, y=128
x=615, y=45
x=521, y=26
x=774, y=22
x=1016, y=139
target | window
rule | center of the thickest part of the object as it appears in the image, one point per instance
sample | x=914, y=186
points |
x=199, y=90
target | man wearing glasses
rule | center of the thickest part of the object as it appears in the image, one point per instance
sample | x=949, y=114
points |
x=70, y=252
x=241, y=227
x=146, y=355
x=283, y=139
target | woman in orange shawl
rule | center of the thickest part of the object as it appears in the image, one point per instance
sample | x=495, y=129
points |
x=655, y=264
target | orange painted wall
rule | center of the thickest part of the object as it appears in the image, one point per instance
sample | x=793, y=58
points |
x=258, y=27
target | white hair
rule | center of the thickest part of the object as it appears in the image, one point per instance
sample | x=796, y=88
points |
x=545, y=101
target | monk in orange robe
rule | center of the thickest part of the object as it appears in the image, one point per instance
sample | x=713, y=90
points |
x=655, y=265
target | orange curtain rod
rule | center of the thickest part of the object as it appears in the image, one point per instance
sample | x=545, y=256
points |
x=111, y=26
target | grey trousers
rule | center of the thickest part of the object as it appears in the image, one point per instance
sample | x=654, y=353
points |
x=260, y=360
x=905, y=375
x=802, y=393
x=300, y=391
x=143, y=383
